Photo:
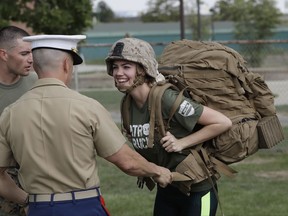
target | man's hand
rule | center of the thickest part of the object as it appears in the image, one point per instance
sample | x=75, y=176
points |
x=164, y=178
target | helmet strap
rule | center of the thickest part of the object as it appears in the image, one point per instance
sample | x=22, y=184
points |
x=137, y=82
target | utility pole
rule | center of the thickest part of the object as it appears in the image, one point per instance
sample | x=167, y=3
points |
x=181, y=12
x=198, y=21
x=212, y=10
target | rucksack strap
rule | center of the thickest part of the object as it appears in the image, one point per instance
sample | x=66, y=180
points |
x=240, y=90
x=152, y=108
x=204, y=167
x=207, y=164
x=155, y=110
x=125, y=114
x=175, y=105
x=223, y=168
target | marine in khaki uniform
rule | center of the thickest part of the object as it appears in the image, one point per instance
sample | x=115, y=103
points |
x=55, y=135
x=15, y=79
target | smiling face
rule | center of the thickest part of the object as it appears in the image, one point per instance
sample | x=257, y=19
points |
x=124, y=74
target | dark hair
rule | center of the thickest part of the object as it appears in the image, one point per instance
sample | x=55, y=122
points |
x=9, y=34
x=141, y=72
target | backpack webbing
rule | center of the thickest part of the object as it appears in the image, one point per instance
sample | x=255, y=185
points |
x=155, y=110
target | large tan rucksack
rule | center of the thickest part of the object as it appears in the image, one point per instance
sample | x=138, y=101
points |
x=216, y=76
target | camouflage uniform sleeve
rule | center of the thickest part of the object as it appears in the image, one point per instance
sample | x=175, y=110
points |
x=8, y=207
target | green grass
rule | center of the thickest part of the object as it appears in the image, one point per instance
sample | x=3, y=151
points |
x=121, y=194
x=282, y=109
x=259, y=189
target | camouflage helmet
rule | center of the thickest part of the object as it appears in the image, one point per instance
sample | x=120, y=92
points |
x=135, y=50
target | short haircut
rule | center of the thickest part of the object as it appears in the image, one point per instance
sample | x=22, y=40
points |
x=9, y=34
x=47, y=59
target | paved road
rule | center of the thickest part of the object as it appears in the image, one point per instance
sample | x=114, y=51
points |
x=280, y=89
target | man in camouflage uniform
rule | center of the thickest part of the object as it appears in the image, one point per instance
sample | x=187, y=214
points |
x=10, y=208
x=15, y=79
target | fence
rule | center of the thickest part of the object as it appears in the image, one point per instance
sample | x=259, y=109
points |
x=255, y=51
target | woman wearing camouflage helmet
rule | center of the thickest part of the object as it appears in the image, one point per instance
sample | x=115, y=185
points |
x=133, y=66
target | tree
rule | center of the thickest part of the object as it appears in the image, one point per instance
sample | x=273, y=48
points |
x=50, y=16
x=200, y=24
x=254, y=20
x=192, y=20
x=8, y=12
x=161, y=11
x=104, y=13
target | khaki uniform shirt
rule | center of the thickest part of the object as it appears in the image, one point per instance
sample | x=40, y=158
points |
x=54, y=134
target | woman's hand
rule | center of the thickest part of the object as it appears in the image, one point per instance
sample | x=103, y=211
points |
x=170, y=143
